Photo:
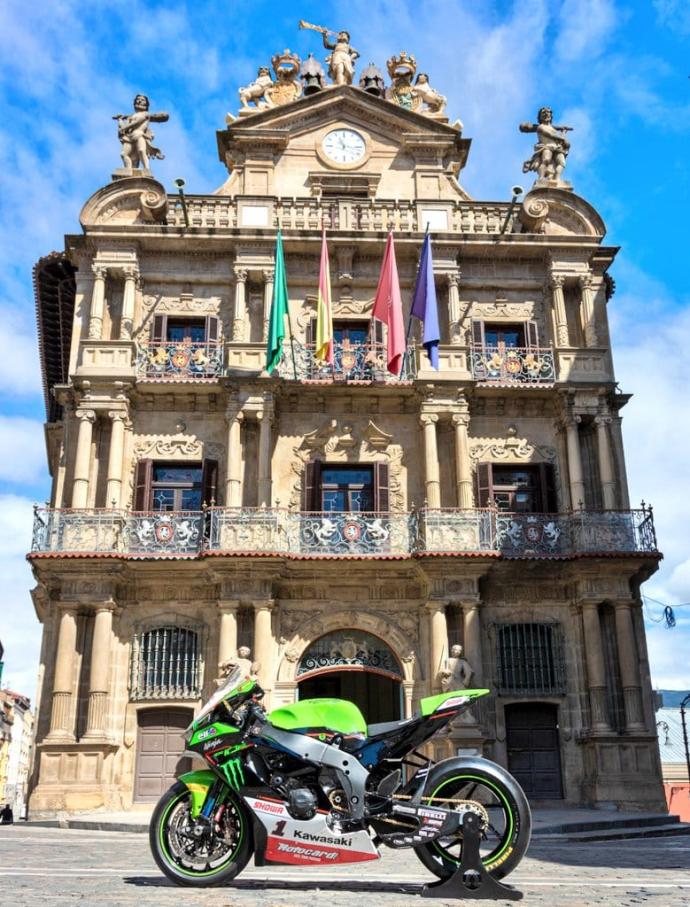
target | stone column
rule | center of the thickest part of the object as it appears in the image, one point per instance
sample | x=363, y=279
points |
x=629, y=660
x=619, y=455
x=596, y=671
x=606, y=472
x=463, y=473
x=560, y=317
x=131, y=273
x=576, y=481
x=453, y=281
x=587, y=309
x=97, y=302
x=433, y=482
x=472, y=638
x=62, y=712
x=233, y=472
x=113, y=492
x=240, y=316
x=101, y=644
x=438, y=649
x=265, y=419
x=263, y=641
x=268, y=275
x=82, y=460
x=227, y=635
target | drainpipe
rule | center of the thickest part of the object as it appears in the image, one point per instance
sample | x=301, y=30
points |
x=685, y=732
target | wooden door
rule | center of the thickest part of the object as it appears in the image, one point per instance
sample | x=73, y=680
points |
x=160, y=743
x=534, y=756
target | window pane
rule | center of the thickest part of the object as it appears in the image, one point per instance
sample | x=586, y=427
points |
x=334, y=500
x=186, y=330
x=163, y=499
x=177, y=475
x=347, y=475
x=191, y=499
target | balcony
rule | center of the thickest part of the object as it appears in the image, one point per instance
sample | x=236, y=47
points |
x=168, y=360
x=513, y=365
x=259, y=531
x=353, y=362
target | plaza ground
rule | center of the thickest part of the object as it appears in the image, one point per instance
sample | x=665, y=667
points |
x=53, y=866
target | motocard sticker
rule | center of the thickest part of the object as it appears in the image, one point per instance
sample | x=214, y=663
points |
x=453, y=702
x=296, y=853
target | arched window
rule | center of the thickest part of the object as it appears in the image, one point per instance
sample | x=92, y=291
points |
x=166, y=664
x=349, y=650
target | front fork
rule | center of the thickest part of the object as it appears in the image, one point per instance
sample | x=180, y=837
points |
x=207, y=792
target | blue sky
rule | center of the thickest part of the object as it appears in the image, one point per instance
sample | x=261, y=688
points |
x=617, y=72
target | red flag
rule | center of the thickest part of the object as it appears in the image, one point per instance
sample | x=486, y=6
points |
x=388, y=308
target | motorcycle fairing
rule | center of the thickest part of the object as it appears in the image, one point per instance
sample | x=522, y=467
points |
x=452, y=699
x=334, y=716
x=305, y=842
x=198, y=784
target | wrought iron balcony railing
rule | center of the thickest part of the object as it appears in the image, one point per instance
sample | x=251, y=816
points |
x=170, y=360
x=352, y=362
x=513, y=364
x=249, y=531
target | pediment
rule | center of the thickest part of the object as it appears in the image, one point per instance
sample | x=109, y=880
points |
x=126, y=202
x=559, y=212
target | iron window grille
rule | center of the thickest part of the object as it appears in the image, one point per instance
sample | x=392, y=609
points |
x=530, y=659
x=166, y=664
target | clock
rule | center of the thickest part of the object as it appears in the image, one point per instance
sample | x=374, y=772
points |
x=344, y=146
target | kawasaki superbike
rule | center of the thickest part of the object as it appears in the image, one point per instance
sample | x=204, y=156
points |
x=310, y=784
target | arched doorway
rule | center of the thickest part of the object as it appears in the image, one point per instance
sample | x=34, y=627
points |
x=354, y=665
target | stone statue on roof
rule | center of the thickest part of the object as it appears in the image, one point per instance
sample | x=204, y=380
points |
x=435, y=102
x=135, y=135
x=341, y=62
x=552, y=148
x=258, y=91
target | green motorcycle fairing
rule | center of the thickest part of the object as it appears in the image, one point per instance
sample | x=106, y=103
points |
x=332, y=716
x=451, y=699
x=198, y=784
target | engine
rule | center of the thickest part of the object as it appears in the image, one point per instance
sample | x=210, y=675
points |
x=301, y=803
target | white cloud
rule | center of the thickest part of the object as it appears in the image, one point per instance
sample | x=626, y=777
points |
x=675, y=14
x=584, y=28
x=22, y=450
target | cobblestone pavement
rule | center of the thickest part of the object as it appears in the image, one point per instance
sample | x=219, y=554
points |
x=45, y=866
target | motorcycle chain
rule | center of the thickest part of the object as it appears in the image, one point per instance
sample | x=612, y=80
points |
x=472, y=805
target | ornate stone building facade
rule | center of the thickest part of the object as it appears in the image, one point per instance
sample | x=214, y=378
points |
x=348, y=526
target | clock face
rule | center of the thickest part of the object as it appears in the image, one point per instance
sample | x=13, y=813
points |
x=344, y=146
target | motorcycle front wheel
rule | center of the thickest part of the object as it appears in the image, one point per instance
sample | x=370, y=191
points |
x=207, y=859
x=504, y=841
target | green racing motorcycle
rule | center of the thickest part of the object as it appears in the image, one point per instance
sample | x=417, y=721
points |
x=311, y=784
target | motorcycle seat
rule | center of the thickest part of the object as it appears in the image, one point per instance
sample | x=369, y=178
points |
x=387, y=728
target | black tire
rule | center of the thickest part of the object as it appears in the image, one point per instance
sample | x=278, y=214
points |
x=506, y=840
x=182, y=858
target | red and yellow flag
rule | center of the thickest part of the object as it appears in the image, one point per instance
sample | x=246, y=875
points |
x=324, y=317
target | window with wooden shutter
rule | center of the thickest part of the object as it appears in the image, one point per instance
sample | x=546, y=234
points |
x=549, y=492
x=477, y=332
x=531, y=334
x=209, y=482
x=381, y=496
x=159, y=328
x=484, y=484
x=142, y=485
x=311, y=486
x=212, y=329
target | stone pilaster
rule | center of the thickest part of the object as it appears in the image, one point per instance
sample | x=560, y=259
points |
x=453, y=281
x=587, y=310
x=596, y=671
x=265, y=420
x=97, y=302
x=433, y=482
x=268, y=275
x=131, y=274
x=119, y=422
x=227, y=631
x=606, y=471
x=463, y=471
x=264, y=642
x=62, y=711
x=240, y=315
x=559, y=312
x=101, y=645
x=575, y=478
x=438, y=649
x=82, y=460
x=472, y=638
x=629, y=661
x=233, y=472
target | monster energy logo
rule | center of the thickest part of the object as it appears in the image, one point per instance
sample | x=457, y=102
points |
x=232, y=769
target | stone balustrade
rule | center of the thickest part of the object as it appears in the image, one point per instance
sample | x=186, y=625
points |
x=250, y=531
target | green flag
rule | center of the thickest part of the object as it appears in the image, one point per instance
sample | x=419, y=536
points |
x=279, y=309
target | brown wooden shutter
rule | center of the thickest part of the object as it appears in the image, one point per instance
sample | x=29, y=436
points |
x=381, y=497
x=209, y=482
x=159, y=328
x=531, y=334
x=212, y=329
x=311, y=486
x=485, y=490
x=142, y=485
x=378, y=331
x=311, y=331
x=549, y=494
x=477, y=332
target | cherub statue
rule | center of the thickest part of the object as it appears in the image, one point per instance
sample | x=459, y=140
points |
x=257, y=90
x=341, y=63
x=135, y=135
x=435, y=102
x=457, y=672
x=552, y=147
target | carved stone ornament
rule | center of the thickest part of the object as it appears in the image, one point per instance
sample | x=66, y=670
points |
x=501, y=308
x=557, y=211
x=138, y=199
x=186, y=304
x=136, y=138
x=265, y=92
x=551, y=150
x=509, y=449
x=346, y=442
x=175, y=447
x=402, y=69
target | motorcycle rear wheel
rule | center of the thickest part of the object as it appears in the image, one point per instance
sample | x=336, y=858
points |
x=505, y=841
x=187, y=860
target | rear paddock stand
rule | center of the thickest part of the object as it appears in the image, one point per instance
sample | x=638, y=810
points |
x=471, y=881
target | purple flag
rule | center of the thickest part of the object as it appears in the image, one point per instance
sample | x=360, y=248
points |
x=424, y=304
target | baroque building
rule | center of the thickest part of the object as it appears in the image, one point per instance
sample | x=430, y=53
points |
x=348, y=526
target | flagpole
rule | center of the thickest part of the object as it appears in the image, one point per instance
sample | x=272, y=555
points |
x=409, y=320
x=287, y=308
